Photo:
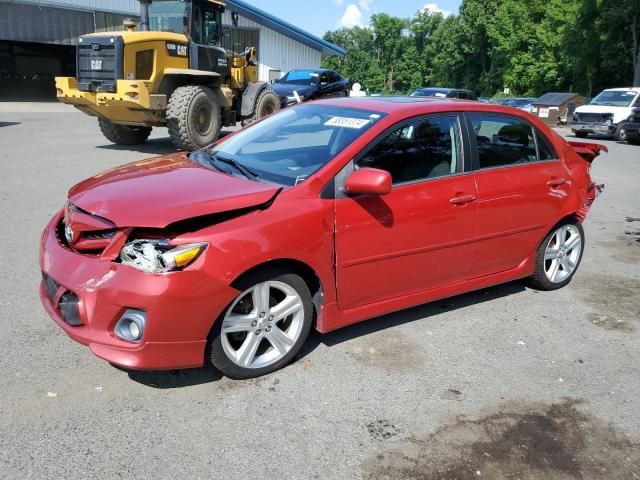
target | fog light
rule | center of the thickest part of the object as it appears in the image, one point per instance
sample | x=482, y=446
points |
x=134, y=330
x=130, y=327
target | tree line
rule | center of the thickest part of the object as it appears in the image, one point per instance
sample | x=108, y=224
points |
x=530, y=47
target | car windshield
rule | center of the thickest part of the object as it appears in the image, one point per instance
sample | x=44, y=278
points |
x=292, y=145
x=301, y=77
x=615, y=98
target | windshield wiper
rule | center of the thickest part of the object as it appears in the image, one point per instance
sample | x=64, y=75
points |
x=237, y=165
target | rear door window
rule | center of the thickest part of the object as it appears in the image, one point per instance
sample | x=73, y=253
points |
x=503, y=140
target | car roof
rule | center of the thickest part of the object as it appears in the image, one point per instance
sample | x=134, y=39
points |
x=315, y=70
x=622, y=89
x=414, y=105
x=442, y=89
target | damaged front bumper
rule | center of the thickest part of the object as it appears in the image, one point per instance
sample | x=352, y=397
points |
x=180, y=307
x=593, y=128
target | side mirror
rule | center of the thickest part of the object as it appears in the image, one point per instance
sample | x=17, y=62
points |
x=368, y=181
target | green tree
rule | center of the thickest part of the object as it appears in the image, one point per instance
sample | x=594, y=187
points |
x=389, y=40
x=531, y=47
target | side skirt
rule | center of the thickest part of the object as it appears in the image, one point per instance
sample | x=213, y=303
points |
x=335, y=318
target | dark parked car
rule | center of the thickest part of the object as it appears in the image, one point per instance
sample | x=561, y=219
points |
x=310, y=85
x=525, y=103
x=632, y=127
x=445, y=93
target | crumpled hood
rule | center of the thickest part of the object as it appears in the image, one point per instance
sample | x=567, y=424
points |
x=157, y=192
x=619, y=113
x=287, y=89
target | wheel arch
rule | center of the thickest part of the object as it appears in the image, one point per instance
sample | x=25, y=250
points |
x=249, y=97
x=186, y=77
x=290, y=265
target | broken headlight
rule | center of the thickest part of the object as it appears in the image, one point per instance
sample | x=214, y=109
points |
x=157, y=256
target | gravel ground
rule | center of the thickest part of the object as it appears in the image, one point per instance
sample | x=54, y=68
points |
x=503, y=383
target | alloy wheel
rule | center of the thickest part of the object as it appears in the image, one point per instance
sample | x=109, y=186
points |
x=262, y=324
x=562, y=253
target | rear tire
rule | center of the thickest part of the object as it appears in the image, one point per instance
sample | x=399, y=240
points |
x=123, y=134
x=558, y=256
x=193, y=117
x=254, y=337
x=581, y=134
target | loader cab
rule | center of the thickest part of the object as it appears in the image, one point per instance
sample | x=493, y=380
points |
x=201, y=22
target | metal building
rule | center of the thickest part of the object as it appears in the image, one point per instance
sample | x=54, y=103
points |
x=37, y=39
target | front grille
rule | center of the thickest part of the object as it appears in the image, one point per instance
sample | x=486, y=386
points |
x=62, y=240
x=99, y=63
x=51, y=285
x=68, y=303
x=69, y=309
x=99, y=235
x=593, y=117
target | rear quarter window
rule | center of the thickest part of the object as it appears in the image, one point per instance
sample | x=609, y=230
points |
x=545, y=148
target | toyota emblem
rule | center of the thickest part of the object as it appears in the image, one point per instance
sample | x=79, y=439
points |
x=68, y=233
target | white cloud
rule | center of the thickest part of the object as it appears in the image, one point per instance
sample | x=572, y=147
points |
x=352, y=17
x=434, y=8
x=356, y=15
x=365, y=5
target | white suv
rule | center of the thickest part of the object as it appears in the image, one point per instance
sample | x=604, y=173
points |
x=606, y=113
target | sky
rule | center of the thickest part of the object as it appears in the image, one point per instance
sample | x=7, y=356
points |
x=319, y=16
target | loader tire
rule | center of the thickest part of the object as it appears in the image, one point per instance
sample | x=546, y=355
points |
x=193, y=117
x=266, y=104
x=123, y=134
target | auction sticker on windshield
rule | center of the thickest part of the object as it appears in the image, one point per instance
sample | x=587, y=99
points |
x=347, y=122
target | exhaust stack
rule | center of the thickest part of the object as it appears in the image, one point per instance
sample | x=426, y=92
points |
x=144, y=15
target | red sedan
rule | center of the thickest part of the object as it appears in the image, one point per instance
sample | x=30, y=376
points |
x=319, y=216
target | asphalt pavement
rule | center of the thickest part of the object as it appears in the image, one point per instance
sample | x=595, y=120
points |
x=503, y=383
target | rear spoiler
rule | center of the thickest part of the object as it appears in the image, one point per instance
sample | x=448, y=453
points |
x=588, y=151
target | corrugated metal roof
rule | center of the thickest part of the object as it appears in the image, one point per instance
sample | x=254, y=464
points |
x=285, y=28
x=125, y=7
x=554, y=99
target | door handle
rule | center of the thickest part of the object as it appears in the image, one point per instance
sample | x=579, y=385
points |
x=462, y=199
x=557, y=182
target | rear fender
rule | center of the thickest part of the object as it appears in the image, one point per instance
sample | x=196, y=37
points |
x=580, y=156
x=588, y=151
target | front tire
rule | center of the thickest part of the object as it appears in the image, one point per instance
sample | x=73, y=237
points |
x=620, y=135
x=558, y=256
x=264, y=328
x=581, y=134
x=266, y=104
x=123, y=134
x=193, y=117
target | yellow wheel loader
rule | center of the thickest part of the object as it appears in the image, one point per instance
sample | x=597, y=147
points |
x=170, y=72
